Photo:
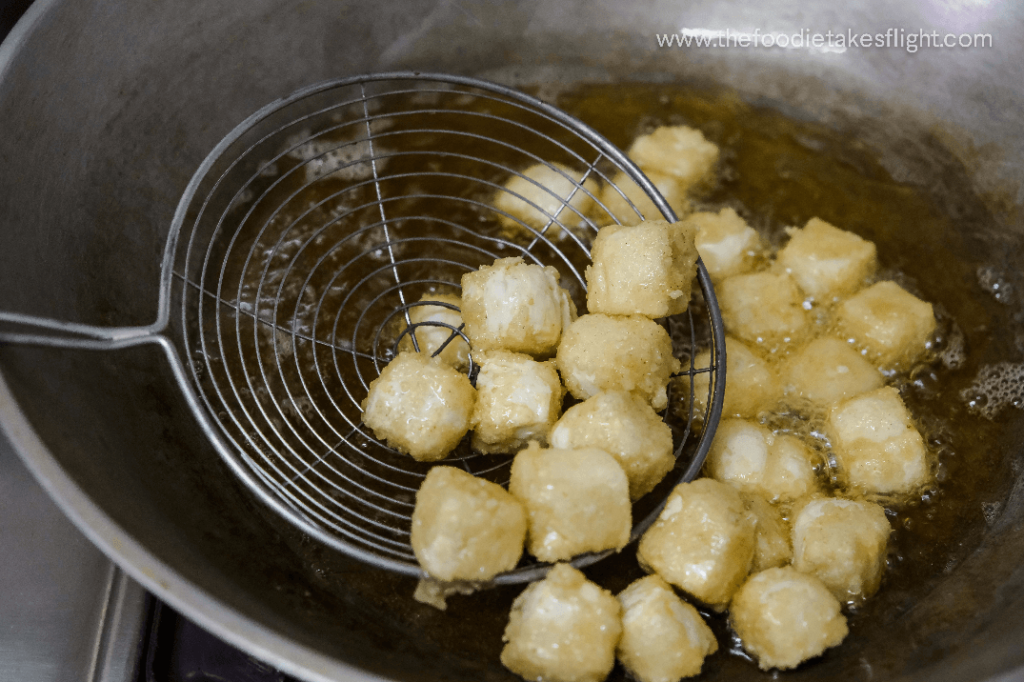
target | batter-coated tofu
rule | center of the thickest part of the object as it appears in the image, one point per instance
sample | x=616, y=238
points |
x=518, y=399
x=772, y=546
x=827, y=262
x=842, y=543
x=420, y=406
x=626, y=427
x=618, y=209
x=826, y=371
x=543, y=194
x=645, y=269
x=563, y=628
x=876, y=445
x=764, y=309
x=703, y=541
x=891, y=326
x=784, y=617
x=576, y=501
x=466, y=528
x=679, y=151
x=430, y=337
x=664, y=639
x=752, y=458
x=726, y=244
x=612, y=353
x=752, y=387
x=515, y=306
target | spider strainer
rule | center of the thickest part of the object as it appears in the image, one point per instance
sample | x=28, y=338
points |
x=303, y=242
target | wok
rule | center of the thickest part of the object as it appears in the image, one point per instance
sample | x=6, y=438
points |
x=106, y=110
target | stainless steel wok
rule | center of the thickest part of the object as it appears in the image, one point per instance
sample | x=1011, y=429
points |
x=106, y=110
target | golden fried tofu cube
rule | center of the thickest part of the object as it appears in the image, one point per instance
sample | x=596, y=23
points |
x=784, y=617
x=826, y=371
x=466, y=528
x=518, y=399
x=626, y=427
x=752, y=386
x=644, y=269
x=420, y=406
x=890, y=325
x=576, y=501
x=679, y=151
x=617, y=353
x=726, y=244
x=764, y=309
x=515, y=306
x=827, y=262
x=432, y=332
x=753, y=459
x=664, y=639
x=552, y=196
x=618, y=196
x=842, y=543
x=563, y=628
x=703, y=541
x=876, y=445
x=772, y=546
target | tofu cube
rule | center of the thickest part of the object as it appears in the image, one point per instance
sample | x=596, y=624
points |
x=515, y=306
x=563, y=628
x=752, y=386
x=827, y=262
x=545, y=196
x=576, y=501
x=664, y=639
x=420, y=406
x=703, y=541
x=626, y=202
x=680, y=151
x=517, y=400
x=432, y=332
x=891, y=326
x=753, y=459
x=842, y=543
x=772, y=547
x=644, y=269
x=764, y=309
x=627, y=428
x=612, y=353
x=726, y=244
x=824, y=372
x=876, y=445
x=466, y=528
x=784, y=617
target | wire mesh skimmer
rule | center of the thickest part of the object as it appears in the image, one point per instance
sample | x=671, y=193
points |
x=307, y=236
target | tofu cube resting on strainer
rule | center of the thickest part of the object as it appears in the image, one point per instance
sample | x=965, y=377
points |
x=784, y=617
x=726, y=244
x=877, y=447
x=752, y=458
x=753, y=385
x=703, y=541
x=680, y=151
x=576, y=501
x=623, y=191
x=764, y=309
x=842, y=543
x=826, y=262
x=466, y=528
x=617, y=353
x=431, y=337
x=626, y=427
x=664, y=639
x=518, y=399
x=563, y=628
x=772, y=546
x=888, y=324
x=644, y=269
x=420, y=406
x=826, y=371
x=515, y=306
x=545, y=196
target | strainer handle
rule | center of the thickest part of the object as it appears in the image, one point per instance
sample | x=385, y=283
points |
x=17, y=329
